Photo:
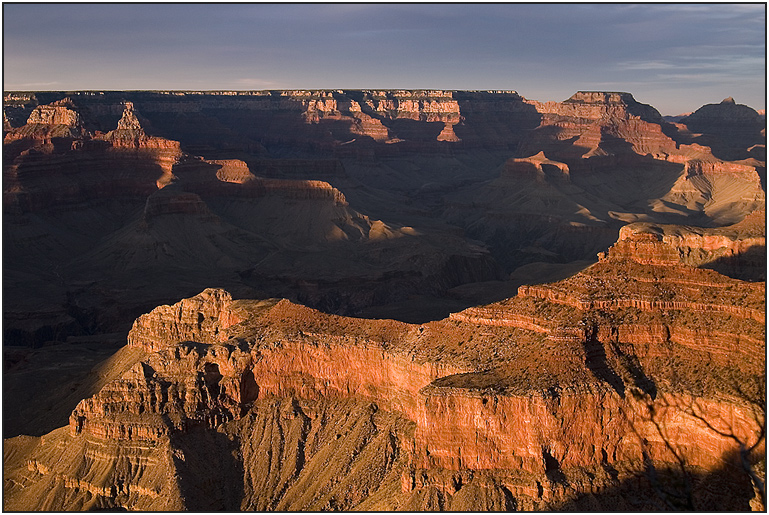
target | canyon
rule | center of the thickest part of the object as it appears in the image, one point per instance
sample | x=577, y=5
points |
x=381, y=300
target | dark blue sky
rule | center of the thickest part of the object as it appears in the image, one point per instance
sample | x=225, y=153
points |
x=676, y=57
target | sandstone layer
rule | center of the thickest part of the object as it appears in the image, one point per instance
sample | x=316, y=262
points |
x=731, y=128
x=634, y=384
x=601, y=390
x=83, y=203
x=738, y=250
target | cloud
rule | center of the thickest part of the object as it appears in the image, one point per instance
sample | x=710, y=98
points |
x=380, y=33
x=724, y=63
x=646, y=65
x=254, y=82
x=29, y=85
x=705, y=78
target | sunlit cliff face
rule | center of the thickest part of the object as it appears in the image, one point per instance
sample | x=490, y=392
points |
x=535, y=377
x=549, y=383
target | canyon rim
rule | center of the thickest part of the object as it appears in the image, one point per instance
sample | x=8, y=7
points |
x=382, y=300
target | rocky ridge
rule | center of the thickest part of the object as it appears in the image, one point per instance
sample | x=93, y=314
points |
x=450, y=403
x=735, y=249
x=161, y=194
x=729, y=127
x=139, y=189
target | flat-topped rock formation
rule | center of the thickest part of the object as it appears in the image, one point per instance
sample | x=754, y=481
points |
x=536, y=167
x=137, y=204
x=344, y=122
x=609, y=363
x=323, y=120
x=728, y=127
x=595, y=105
x=531, y=181
x=738, y=250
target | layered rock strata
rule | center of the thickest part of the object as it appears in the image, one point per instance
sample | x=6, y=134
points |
x=729, y=127
x=57, y=168
x=738, y=250
x=80, y=201
x=560, y=392
x=349, y=120
x=586, y=392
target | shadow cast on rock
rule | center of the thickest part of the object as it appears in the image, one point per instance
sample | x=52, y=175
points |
x=726, y=488
x=596, y=361
x=210, y=473
x=746, y=266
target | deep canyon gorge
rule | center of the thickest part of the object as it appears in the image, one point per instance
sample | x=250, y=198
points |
x=382, y=300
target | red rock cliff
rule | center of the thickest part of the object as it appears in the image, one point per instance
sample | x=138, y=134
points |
x=480, y=406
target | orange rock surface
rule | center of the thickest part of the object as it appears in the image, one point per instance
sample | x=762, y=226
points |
x=637, y=383
x=532, y=395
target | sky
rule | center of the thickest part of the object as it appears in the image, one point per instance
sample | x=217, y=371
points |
x=676, y=57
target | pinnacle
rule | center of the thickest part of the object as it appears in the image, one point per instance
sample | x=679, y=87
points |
x=129, y=120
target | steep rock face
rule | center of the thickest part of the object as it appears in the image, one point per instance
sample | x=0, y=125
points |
x=728, y=127
x=129, y=134
x=51, y=128
x=189, y=336
x=605, y=362
x=625, y=164
x=348, y=122
x=646, y=307
x=737, y=250
x=203, y=318
x=129, y=121
x=58, y=113
x=57, y=120
x=567, y=392
x=79, y=166
x=136, y=202
x=464, y=432
x=166, y=395
x=595, y=105
x=582, y=291
x=633, y=136
x=699, y=161
x=209, y=316
x=598, y=123
x=327, y=119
